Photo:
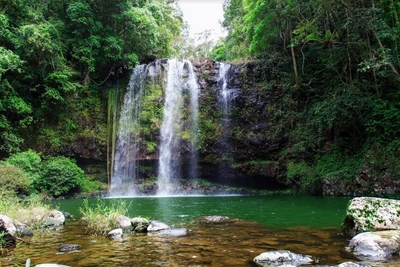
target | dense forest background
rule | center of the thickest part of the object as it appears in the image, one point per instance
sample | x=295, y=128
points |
x=338, y=67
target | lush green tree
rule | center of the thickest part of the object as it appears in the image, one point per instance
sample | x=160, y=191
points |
x=56, y=53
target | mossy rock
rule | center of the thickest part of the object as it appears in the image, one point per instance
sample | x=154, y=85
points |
x=366, y=214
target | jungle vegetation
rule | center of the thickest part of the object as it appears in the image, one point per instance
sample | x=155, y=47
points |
x=340, y=109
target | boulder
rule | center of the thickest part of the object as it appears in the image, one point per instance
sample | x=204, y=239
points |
x=42, y=216
x=115, y=234
x=157, y=226
x=54, y=218
x=123, y=222
x=281, y=258
x=379, y=245
x=69, y=247
x=9, y=230
x=366, y=214
x=140, y=224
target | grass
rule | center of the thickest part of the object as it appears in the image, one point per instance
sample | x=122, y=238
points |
x=23, y=210
x=100, y=218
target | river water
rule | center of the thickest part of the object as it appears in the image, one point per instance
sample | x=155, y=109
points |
x=306, y=225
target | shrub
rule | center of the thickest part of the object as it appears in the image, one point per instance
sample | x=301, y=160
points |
x=60, y=176
x=13, y=180
x=29, y=161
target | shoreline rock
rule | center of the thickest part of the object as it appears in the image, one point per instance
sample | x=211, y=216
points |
x=365, y=214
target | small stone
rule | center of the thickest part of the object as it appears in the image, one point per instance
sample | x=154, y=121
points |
x=115, y=234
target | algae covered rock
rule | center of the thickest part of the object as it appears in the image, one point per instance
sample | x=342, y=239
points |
x=366, y=214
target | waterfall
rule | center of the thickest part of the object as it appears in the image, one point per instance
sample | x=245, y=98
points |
x=178, y=131
x=180, y=80
x=225, y=93
x=125, y=169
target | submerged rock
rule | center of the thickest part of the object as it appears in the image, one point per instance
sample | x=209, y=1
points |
x=51, y=265
x=157, y=226
x=216, y=220
x=8, y=229
x=353, y=264
x=281, y=258
x=69, y=247
x=376, y=246
x=371, y=214
x=171, y=232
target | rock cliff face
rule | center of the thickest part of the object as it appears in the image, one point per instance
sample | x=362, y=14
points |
x=243, y=139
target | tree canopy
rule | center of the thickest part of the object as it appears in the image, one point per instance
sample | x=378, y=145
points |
x=54, y=49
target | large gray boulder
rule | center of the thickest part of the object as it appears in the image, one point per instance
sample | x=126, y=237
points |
x=365, y=214
x=282, y=258
x=374, y=246
x=8, y=229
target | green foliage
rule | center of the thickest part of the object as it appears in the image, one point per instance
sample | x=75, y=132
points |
x=14, y=180
x=29, y=161
x=60, y=176
x=53, y=53
x=302, y=177
x=100, y=218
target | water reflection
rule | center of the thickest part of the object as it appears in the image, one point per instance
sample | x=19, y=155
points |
x=265, y=223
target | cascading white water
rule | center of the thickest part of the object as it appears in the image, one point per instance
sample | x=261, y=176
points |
x=194, y=108
x=125, y=168
x=225, y=93
x=180, y=78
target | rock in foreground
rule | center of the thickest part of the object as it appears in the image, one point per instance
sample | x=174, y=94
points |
x=365, y=214
x=376, y=246
x=7, y=231
x=281, y=257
